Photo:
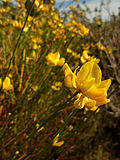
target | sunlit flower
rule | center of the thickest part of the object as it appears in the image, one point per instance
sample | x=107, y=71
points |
x=6, y=84
x=83, y=30
x=56, y=143
x=87, y=82
x=54, y=59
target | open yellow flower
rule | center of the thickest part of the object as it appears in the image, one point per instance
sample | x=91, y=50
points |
x=87, y=82
x=54, y=59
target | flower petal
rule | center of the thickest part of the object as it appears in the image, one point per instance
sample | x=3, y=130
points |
x=104, y=101
x=88, y=71
x=95, y=93
x=80, y=102
x=105, y=84
x=90, y=103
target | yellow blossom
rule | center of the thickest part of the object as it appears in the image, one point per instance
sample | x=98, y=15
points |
x=54, y=59
x=57, y=86
x=69, y=50
x=56, y=143
x=34, y=54
x=87, y=82
x=83, y=30
x=100, y=46
x=6, y=84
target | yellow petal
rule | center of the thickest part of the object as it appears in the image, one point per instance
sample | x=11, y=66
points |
x=85, y=54
x=90, y=103
x=87, y=84
x=94, y=108
x=0, y=82
x=89, y=73
x=53, y=58
x=7, y=84
x=80, y=102
x=67, y=70
x=95, y=93
x=61, y=61
x=68, y=81
x=82, y=59
x=105, y=84
x=83, y=72
x=104, y=101
x=96, y=73
x=68, y=76
x=58, y=144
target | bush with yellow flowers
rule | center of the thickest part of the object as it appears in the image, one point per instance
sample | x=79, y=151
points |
x=49, y=110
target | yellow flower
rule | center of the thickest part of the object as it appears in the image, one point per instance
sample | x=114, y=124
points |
x=34, y=54
x=6, y=84
x=85, y=56
x=83, y=30
x=57, y=86
x=54, y=59
x=69, y=50
x=87, y=82
x=56, y=143
x=100, y=46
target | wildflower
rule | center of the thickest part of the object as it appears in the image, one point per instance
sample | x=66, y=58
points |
x=92, y=91
x=56, y=143
x=69, y=50
x=85, y=57
x=83, y=30
x=6, y=84
x=35, y=46
x=54, y=59
x=100, y=46
x=57, y=86
x=75, y=55
x=34, y=54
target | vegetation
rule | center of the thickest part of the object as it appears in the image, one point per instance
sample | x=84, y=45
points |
x=59, y=83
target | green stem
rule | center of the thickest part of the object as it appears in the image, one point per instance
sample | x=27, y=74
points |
x=60, y=130
x=61, y=106
x=18, y=40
